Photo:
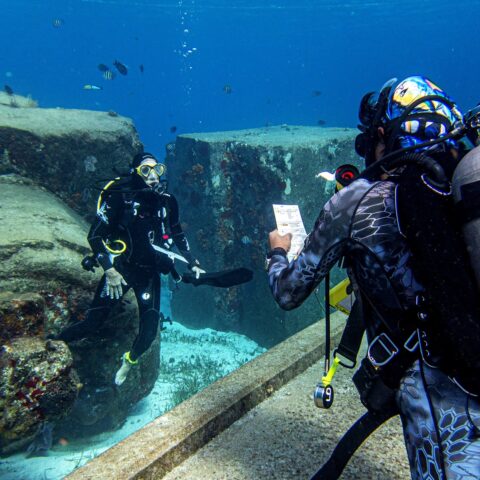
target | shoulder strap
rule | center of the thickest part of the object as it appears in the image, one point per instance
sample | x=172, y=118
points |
x=352, y=334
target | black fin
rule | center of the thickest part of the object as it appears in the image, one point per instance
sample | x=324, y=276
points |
x=223, y=279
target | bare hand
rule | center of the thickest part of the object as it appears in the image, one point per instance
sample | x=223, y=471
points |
x=280, y=241
x=114, y=281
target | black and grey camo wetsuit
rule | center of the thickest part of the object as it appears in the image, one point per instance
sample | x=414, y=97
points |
x=360, y=224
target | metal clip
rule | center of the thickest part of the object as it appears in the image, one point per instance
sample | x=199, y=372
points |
x=412, y=342
x=386, y=344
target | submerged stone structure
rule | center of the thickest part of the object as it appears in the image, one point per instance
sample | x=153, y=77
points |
x=226, y=183
x=69, y=152
x=51, y=164
x=43, y=288
x=38, y=385
x=51, y=161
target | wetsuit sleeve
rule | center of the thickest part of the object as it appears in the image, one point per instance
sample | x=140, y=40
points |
x=106, y=222
x=291, y=283
x=178, y=236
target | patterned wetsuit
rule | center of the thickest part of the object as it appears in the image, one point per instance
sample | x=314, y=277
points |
x=360, y=224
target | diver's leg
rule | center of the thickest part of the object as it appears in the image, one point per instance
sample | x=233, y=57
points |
x=98, y=311
x=439, y=421
x=148, y=299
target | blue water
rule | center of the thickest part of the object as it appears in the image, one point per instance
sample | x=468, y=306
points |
x=273, y=54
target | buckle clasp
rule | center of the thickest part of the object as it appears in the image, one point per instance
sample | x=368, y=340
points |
x=381, y=350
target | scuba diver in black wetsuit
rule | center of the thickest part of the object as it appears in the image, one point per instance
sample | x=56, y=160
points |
x=137, y=224
x=422, y=325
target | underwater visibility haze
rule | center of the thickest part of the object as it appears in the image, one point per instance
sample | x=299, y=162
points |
x=195, y=66
x=218, y=65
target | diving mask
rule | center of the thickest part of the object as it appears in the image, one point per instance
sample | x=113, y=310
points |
x=145, y=169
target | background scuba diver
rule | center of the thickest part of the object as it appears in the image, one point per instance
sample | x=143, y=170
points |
x=363, y=225
x=135, y=217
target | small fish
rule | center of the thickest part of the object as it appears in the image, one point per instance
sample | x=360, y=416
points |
x=321, y=122
x=89, y=86
x=57, y=22
x=120, y=67
x=227, y=89
x=141, y=67
x=316, y=93
x=8, y=90
x=102, y=67
x=63, y=442
x=173, y=129
x=246, y=240
x=108, y=75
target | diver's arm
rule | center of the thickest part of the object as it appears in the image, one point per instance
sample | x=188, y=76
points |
x=104, y=224
x=178, y=236
x=291, y=283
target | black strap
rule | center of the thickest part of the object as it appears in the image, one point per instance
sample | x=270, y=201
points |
x=350, y=442
x=327, y=323
x=352, y=334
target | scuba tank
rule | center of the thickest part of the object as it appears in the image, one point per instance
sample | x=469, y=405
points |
x=466, y=195
x=449, y=310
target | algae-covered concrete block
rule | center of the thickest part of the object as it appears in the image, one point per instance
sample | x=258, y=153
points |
x=226, y=183
x=67, y=151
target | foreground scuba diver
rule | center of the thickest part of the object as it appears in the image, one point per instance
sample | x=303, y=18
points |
x=411, y=272
x=137, y=224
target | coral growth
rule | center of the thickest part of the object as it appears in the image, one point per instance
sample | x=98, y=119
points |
x=38, y=384
x=22, y=314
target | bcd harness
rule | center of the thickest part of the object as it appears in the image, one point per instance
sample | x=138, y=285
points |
x=443, y=329
x=375, y=394
x=118, y=246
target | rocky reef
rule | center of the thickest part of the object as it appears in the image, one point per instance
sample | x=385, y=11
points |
x=226, y=183
x=48, y=157
x=69, y=152
x=38, y=384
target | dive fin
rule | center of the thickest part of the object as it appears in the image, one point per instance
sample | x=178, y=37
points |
x=223, y=279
